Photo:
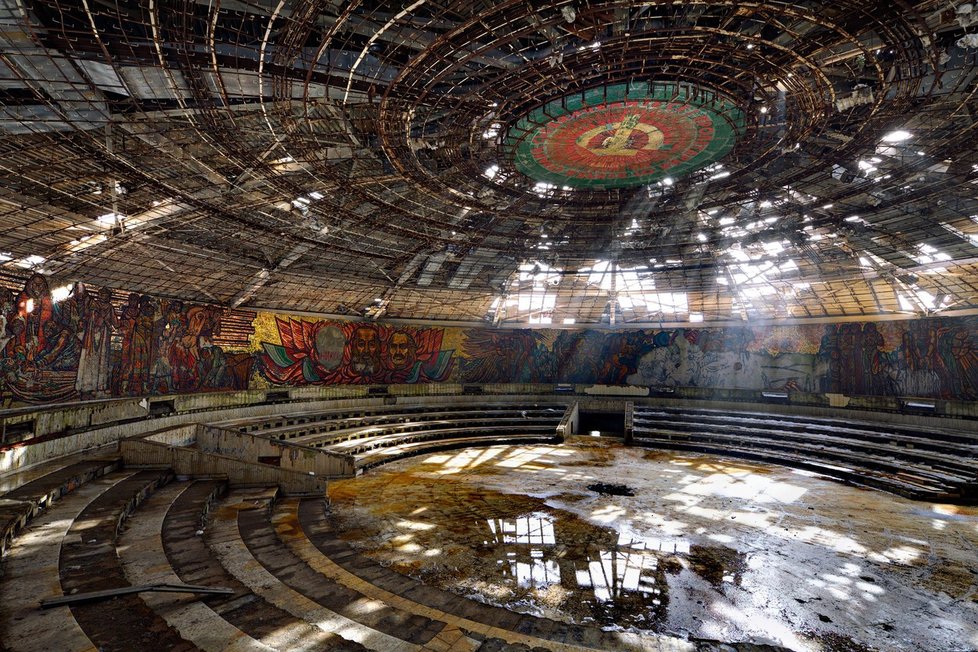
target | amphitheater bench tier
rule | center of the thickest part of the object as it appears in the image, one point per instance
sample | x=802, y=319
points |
x=257, y=623
x=385, y=449
x=917, y=462
x=524, y=418
x=145, y=561
x=385, y=433
x=31, y=572
x=300, y=424
x=23, y=494
x=89, y=563
x=243, y=538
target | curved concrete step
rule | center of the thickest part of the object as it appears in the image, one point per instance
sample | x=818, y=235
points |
x=23, y=494
x=360, y=446
x=951, y=455
x=967, y=434
x=194, y=561
x=227, y=544
x=76, y=465
x=89, y=563
x=364, y=415
x=818, y=451
x=301, y=524
x=382, y=455
x=31, y=572
x=144, y=561
x=906, y=484
x=335, y=434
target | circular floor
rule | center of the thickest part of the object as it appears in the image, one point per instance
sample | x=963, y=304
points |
x=705, y=548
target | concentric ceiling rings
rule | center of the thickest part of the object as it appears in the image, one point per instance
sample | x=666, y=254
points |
x=454, y=111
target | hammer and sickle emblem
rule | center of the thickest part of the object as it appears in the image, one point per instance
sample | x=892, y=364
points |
x=625, y=138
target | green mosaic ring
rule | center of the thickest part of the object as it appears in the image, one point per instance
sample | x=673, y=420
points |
x=622, y=136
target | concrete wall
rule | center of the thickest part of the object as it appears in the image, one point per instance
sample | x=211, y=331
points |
x=252, y=448
x=185, y=435
x=191, y=462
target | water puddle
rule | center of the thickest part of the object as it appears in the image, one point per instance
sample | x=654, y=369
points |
x=718, y=565
x=553, y=561
x=519, y=553
x=611, y=489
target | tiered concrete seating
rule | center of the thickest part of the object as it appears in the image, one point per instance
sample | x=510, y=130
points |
x=172, y=548
x=247, y=546
x=916, y=462
x=301, y=525
x=25, y=493
x=71, y=549
x=299, y=592
x=144, y=560
x=30, y=572
x=89, y=563
x=520, y=418
x=302, y=424
x=291, y=590
x=385, y=433
x=377, y=444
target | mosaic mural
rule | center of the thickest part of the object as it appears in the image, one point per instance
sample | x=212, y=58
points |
x=84, y=346
x=623, y=135
x=926, y=358
x=333, y=353
x=95, y=343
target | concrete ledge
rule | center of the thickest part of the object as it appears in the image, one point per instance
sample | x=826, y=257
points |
x=186, y=461
x=285, y=455
x=568, y=425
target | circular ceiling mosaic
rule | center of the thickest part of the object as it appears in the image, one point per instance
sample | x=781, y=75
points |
x=623, y=135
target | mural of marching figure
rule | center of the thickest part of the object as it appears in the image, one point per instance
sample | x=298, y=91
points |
x=329, y=353
x=858, y=362
x=722, y=359
x=94, y=363
x=137, y=322
x=936, y=358
x=82, y=347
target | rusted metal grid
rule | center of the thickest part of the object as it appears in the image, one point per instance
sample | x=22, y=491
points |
x=347, y=158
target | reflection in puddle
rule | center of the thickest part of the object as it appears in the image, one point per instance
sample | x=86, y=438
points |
x=619, y=585
x=536, y=573
x=535, y=528
x=520, y=553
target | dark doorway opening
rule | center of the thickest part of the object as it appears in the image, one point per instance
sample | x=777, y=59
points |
x=606, y=424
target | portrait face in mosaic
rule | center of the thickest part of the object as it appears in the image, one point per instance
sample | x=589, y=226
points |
x=365, y=351
x=402, y=350
x=329, y=347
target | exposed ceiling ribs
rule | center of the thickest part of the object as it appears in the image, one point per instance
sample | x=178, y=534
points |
x=339, y=156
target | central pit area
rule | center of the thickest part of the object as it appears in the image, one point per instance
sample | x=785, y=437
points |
x=706, y=548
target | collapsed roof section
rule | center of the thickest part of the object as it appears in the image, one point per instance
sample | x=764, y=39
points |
x=363, y=158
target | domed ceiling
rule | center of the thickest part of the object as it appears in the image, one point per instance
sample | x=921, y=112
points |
x=509, y=162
